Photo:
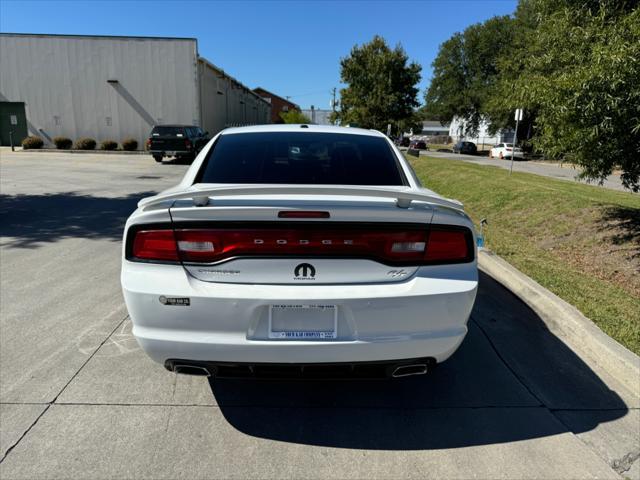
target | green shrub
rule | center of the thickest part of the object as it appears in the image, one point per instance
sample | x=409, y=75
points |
x=31, y=143
x=108, y=145
x=62, y=143
x=129, y=144
x=85, y=144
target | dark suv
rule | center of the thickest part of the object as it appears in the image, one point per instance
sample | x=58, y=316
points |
x=180, y=141
x=465, y=147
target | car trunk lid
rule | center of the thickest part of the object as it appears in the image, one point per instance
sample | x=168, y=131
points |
x=281, y=239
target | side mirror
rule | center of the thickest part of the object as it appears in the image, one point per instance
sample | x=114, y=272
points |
x=206, y=134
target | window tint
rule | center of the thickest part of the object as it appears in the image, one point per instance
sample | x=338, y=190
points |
x=162, y=131
x=301, y=158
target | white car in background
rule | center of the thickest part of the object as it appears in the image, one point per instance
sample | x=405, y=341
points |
x=295, y=249
x=506, y=150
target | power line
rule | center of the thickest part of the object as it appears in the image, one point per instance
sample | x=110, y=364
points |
x=306, y=94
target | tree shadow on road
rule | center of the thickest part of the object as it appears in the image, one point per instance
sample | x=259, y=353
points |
x=26, y=221
x=503, y=385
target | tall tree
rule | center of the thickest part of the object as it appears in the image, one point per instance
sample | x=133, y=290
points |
x=573, y=65
x=465, y=72
x=381, y=87
x=579, y=71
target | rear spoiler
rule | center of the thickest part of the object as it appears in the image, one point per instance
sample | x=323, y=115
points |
x=206, y=196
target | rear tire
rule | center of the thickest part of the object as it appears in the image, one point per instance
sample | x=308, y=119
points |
x=158, y=158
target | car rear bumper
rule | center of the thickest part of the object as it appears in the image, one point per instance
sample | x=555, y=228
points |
x=379, y=369
x=178, y=153
x=425, y=316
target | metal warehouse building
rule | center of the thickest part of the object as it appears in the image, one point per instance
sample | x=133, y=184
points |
x=115, y=87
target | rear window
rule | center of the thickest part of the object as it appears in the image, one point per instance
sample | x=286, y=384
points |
x=167, y=132
x=301, y=158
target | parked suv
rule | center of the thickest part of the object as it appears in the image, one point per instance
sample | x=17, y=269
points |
x=179, y=141
x=465, y=147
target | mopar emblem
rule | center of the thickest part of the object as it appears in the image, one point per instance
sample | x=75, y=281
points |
x=305, y=271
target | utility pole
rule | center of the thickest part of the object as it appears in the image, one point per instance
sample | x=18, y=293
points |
x=333, y=103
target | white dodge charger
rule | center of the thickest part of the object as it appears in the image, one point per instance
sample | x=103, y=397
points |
x=299, y=250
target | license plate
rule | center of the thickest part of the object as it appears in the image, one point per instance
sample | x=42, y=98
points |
x=303, y=322
x=170, y=153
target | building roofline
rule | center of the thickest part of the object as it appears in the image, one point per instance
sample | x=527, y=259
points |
x=276, y=95
x=225, y=74
x=71, y=35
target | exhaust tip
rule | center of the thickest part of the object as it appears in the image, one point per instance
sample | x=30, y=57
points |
x=409, y=370
x=192, y=370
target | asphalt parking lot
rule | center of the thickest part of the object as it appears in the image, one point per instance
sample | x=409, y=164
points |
x=79, y=399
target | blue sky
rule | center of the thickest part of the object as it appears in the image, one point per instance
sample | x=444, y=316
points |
x=289, y=47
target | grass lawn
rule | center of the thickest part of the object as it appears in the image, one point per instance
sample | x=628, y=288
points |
x=581, y=242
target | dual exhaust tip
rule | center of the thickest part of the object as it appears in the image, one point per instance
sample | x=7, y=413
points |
x=195, y=370
x=410, y=370
x=399, y=371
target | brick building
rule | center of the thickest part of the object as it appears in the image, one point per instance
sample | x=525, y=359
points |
x=278, y=104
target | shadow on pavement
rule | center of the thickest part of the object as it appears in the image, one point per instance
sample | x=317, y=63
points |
x=502, y=385
x=30, y=219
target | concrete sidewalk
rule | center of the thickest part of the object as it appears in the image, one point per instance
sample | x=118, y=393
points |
x=79, y=399
x=553, y=170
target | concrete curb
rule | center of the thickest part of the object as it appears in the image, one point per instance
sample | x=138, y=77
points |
x=100, y=152
x=565, y=321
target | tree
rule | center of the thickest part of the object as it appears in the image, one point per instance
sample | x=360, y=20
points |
x=381, y=87
x=573, y=65
x=465, y=72
x=294, y=116
x=580, y=73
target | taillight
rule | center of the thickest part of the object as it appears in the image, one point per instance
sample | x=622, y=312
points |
x=508, y=149
x=187, y=144
x=148, y=143
x=155, y=245
x=448, y=246
x=391, y=246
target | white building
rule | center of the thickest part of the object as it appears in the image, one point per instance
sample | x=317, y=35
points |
x=432, y=128
x=318, y=116
x=117, y=87
x=457, y=130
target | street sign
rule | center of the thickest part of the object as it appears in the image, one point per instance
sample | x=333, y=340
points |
x=517, y=118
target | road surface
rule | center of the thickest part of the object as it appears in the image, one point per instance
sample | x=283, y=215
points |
x=566, y=172
x=79, y=399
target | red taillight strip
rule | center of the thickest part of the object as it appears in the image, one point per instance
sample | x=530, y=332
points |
x=399, y=246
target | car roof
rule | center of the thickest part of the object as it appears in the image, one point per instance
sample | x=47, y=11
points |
x=309, y=128
x=176, y=126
